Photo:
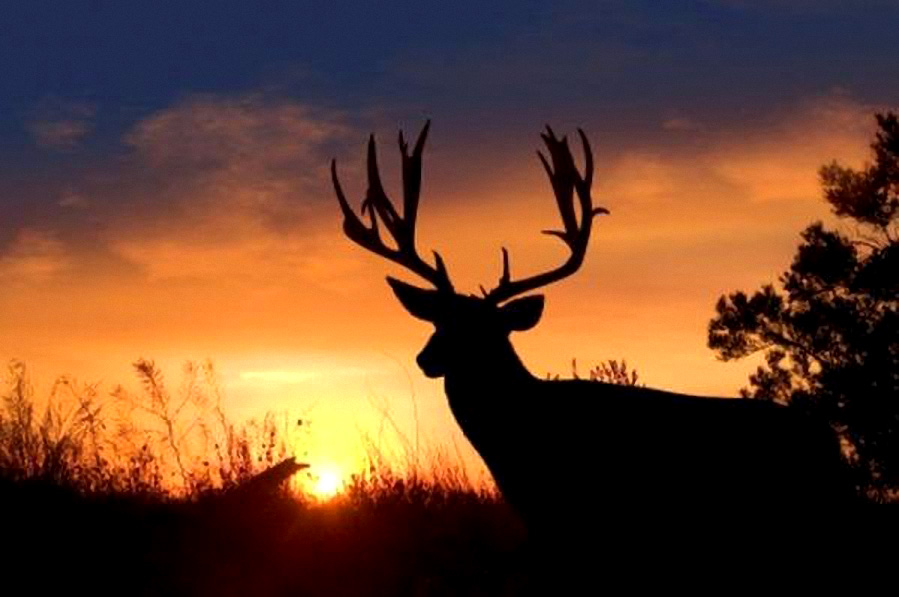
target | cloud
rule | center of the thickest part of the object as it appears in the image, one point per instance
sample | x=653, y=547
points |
x=641, y=177
x=776, y=160
x=61, y=125
x=222, y=189
x=243, y=133
x=33, y=256
x=681, y=123
x=73, y=200
x=780, y=160
x=208, y=187
x=232, y=187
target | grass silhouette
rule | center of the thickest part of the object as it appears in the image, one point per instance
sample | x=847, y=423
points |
x=158, y=493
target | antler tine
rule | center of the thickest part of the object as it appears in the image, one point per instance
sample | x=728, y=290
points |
x=378, y=206
x=566, y=180
x=588, y=160
x=561, y=175
x=376, y=199
x=352, y=225
x=412, y=179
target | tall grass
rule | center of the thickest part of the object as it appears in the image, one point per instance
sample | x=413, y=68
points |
x=153, y=442
x=159, y=486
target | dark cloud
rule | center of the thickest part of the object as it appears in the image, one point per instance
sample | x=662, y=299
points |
x=213, y=177
x=61, y=125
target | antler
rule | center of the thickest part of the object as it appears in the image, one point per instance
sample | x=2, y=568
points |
x=566, y=181
x=379, y=207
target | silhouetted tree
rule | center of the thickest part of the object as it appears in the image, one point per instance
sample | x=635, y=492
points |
x=830, y=331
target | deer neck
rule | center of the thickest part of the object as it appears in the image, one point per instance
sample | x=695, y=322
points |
x=495, y=373
x=485, y=397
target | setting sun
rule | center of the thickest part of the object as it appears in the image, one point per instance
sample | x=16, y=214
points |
x=327, y=483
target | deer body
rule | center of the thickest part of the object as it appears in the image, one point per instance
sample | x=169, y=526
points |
x=642, y=446
x=639, y=446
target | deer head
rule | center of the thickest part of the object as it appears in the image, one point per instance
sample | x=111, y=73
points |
x=469, y=329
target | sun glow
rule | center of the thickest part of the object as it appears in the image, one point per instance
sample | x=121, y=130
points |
x=328, y=482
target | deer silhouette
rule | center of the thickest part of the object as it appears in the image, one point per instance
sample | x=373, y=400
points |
x=542, y=438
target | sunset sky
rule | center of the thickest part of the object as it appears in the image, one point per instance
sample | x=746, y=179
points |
x=164, y=190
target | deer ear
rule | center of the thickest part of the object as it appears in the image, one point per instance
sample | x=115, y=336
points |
x=522, y=314
x=419, y=302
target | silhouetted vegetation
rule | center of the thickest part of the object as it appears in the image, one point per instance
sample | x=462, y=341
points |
x=609, y=371
x=158, y=493
x=150, y=443
x=830, y=330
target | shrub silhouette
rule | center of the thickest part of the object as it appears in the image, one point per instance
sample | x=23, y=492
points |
x=830, y=332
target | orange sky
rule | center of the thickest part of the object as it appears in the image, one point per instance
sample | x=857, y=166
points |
x=215, y=234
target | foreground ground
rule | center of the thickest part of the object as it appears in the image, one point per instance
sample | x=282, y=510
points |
x=398, y=539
